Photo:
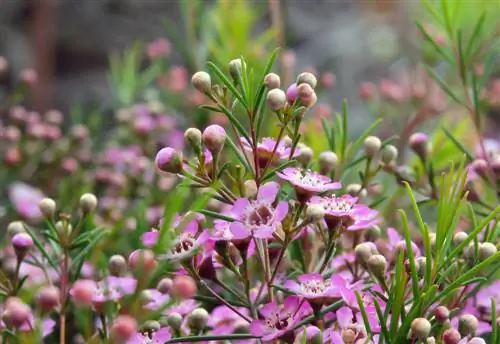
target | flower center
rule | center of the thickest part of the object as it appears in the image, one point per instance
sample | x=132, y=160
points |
x=315, y=286
x=308, y=179
x=336, y=204
x=184, y=245
x=279, y=322
x=260, y=215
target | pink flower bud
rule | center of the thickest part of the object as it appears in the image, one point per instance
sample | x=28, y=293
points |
x=16, y=313
x=165, y=285
x=184, y=287
x=169, y=160
x=48, y=298
x=451, y=336
x=214, y=137
x=420, y=145
x=22, y=242
x=292, y=93
x=123, y=328
x=12, y=156
x=29, y=76
x=142, y=259
x=82, y=292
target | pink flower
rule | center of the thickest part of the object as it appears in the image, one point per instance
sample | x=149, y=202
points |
x=158, y=299
x=186, y=245
x=314, y=288
x=265, y=150
x=307, y=183
x=223, y=320
x=25, y=200
x=156, y=337
x=279, y=319
x=150, y=238
x=258, y=218
x=347, y=321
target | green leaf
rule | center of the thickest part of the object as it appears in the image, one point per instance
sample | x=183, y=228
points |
x=475, y=37
x=353, y=149
x=228, y=83
x=207, y=338
x=363, y=313
x=40, y=247
x=271, y=173
x=345, y=129
x=444, y=86
x=241, y=156
x=411, y=257
x=494, y=322
x=445, y=54
x=459, y=145
x=398, y=294
x=262, y=88
x=232, y=118
x=216, y=215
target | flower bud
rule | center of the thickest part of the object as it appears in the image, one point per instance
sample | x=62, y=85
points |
x=421, y=265
x=441, y=314
x=165, y=285
x=480, y=166
x=419, y=142
x=389, y=154
x=431, y=340
x=48, y=298
x=82, y=292
x=292, y=93
x=47, y=207
x=377, y=264
x=310, y=101
x=184, y=287
x=451, y=336
x=355, y=190
x=459, y=237
x=22, y=242
x=145, y=297
x=202, y=82
x=276, y=99
x=373, y=233
x=151, y=326
x=117, y=265
x=348, y=336
x=142, y=260
x=372, y=146
x=235, y=68
x=315, y=212
x=63, y=228
x=476, y=340
x=420, y=328
x=305, y=155
x=88, y=203
x=214, y=137
x=486, y=250
x=16, y=313
x=307, y=78
x=169, y=160
x=15, y=227
x=193, y=136
x=467, y=325
x=364, y=251
x=124, y=327
x=272, y=81
x=305, y=91
x=174, y=320
x=311, y=334
x=197, y=319
x=250, y=188
x=327, y=162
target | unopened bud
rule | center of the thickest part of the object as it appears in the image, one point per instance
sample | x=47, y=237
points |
x=197, y=319
x=441, y=314
x=22, y=242
x=142, y=260
x=459, y=238
x=235, y=68
x=419, y=142
x=15, y=227
x=373, y=233
x=420, y=328
x=431, y=340
x=348, y=336
x=48, y=298
x=47, y=207
x=63, y=228
x=305, y=91
x=467, y=325
x=356, y=190
x=169, y=160
x=202, y=82
x=151, y=326
x=16, y=313
x=486, y=250
x=117, y=265
x=377, y=264
x=124, y=327
x=307, y=78
x=276, y=99
x=310, y=101
x=165, y=285
x=327, y=162
x=372, y=146
x=145, y=297
x=250, y=188
x=174, y=320
x=389, y=154
x=193, y=136
x=272, y=81
x=214, y=137
x=364, y=251
x=421, y=263
x=88, y=203
x=480, y=166
x=305, y=155
x=315, y=212
x=451, y=336
x=292, y=93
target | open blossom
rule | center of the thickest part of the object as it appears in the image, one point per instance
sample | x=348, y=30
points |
x=151, y=337
x=314, y=288
x=158, y=299
x=308, y=183
x=279, y=319
x=346, y=320
x=223, y=320
x=112, y=289
x=186, y=245
x=25, y=199
x=344, y=211
x=265, y=150
x=259, y=218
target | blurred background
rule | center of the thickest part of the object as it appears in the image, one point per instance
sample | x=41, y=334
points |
x=68, y=42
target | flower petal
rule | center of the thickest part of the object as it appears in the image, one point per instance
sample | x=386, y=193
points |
x=268, y=192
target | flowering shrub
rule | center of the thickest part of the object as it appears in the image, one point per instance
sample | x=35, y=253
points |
x=247, y=238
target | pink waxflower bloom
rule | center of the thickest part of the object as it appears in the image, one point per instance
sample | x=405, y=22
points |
x=279, y=320
x=223, y=320
x=345, y=212
x=25, y=199
x=292, y=93
x=149, y=239
x=185, y=246
x=158, y=299
x=222, y=231
x=265, y=150
x=396, y=242
x=156, y=337
x=346, y=321
x=307, y=183
x=112, y=289
x=258, y=218
x=315, y=289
